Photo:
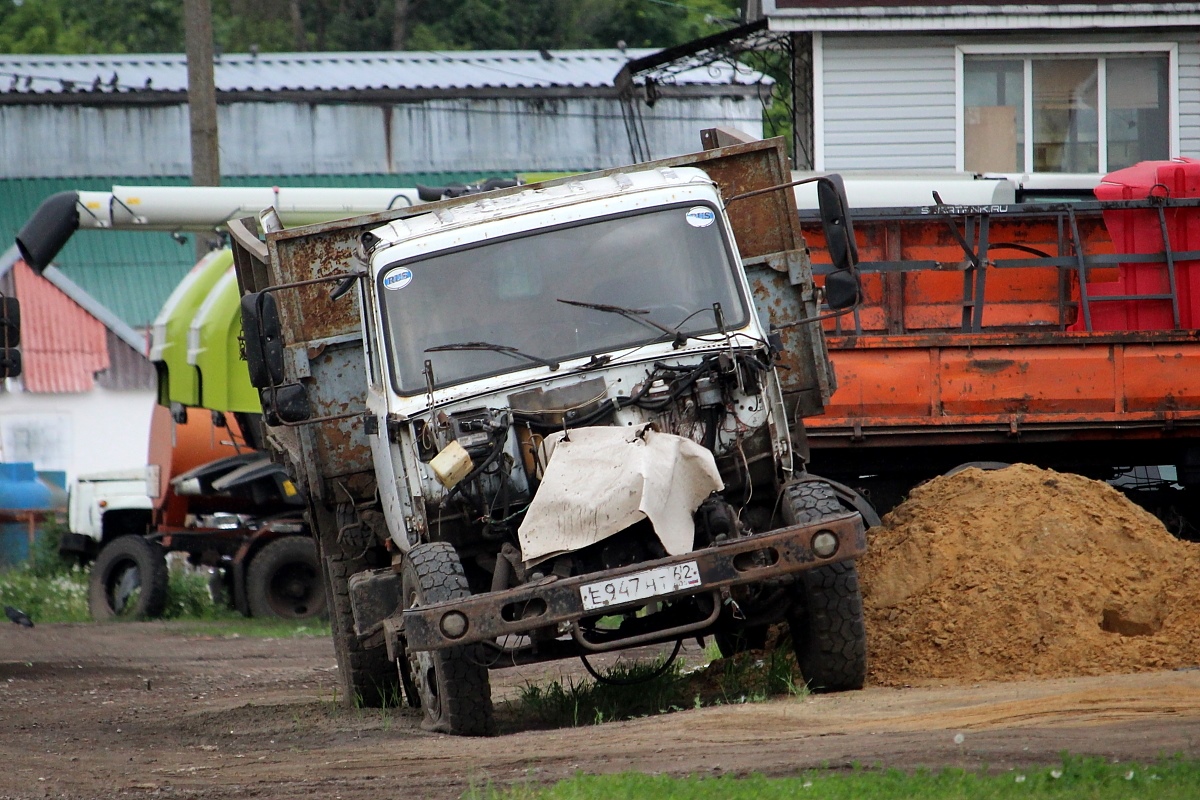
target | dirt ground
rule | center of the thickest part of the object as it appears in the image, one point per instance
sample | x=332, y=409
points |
x=1011, y=616
x=1026, y=572
x=142, y=710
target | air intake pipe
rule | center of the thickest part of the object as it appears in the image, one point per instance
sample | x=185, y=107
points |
x=43, y=236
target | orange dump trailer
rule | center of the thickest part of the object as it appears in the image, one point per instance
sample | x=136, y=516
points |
x=1057, y=334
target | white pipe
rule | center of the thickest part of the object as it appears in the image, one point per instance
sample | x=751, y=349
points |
x=174, y=208
x=883, y=190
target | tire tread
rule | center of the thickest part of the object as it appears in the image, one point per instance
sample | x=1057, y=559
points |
x=467, y=696
x=828, y=630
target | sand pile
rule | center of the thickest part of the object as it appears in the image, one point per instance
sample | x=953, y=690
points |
x=1022, y=572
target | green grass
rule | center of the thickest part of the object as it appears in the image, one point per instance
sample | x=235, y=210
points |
x=638, y=691
x=233, y=625
x=1076, y=778
x=46, y=598
x=51, y=589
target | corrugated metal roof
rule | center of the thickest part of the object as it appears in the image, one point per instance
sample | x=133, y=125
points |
x=973, y=15
x=282, y=72
x=62, y=346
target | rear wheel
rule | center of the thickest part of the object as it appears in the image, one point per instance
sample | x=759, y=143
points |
x=451, y=684
x=369, y=678
x=128, y=580
x=826, y=620
x=284, y=580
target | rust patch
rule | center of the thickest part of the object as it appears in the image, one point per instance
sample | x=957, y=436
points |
x=992, y=365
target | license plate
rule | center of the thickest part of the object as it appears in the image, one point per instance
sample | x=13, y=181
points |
x=640, y=585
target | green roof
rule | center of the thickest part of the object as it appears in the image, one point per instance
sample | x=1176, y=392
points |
x=132, y=273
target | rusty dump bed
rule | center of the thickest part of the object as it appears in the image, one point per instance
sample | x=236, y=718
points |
x=1027, y=321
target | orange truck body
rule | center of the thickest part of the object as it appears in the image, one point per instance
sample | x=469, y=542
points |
x=986, y=332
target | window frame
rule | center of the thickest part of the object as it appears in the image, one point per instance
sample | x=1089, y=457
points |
x=1026, y=53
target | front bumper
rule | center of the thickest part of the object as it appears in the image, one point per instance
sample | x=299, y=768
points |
x=554, y=601
x=77, y=545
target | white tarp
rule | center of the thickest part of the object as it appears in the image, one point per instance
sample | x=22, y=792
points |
x=601, y=480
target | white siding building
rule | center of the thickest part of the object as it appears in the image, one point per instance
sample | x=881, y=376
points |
x=1037, y=88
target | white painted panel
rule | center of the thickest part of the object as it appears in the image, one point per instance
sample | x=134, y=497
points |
x=62, y=141
x=889, y=102
x=92, y=431
x=1189, y=99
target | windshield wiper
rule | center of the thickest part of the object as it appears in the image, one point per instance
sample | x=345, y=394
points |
x=495, y=348
x=635, y=314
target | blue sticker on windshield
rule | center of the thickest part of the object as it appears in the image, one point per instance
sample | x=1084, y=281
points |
x=397, y=278
x=701, y=217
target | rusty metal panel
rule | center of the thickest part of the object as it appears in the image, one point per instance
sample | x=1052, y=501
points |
x=954, y=388
x=303, y=254
x=806, y=375
x=338, y=386
x=1021, y=380
x=1160, y=377
x=882, y=383
x=324, y=339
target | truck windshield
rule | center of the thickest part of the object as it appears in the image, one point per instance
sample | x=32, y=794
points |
x=673, y=264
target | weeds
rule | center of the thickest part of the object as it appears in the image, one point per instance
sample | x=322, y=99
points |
x=591, y=702
x=756, y=675
x=188, y=596
x=44, y=560
x=636, y=691
x=60, y=597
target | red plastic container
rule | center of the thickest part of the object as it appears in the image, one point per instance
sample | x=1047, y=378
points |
x=1139, y=231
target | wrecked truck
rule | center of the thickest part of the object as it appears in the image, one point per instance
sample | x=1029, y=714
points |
x=560, y=420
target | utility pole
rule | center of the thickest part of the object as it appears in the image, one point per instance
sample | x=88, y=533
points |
x=202, y=103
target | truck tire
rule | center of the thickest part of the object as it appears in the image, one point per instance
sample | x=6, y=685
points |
x=452, y=684
x=284, y=580
x=128, y=580
x=369, y=678
x=826, y=620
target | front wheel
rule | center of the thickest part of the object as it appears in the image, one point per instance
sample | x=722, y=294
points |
x=284, y=580
x=826, y=620
x=828, y=633
x=128, y=580
x=451, y=684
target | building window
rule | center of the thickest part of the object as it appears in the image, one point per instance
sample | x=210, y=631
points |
x=1064, y=113
x=994, y=115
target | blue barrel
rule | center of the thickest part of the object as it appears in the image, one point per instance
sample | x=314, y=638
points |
x=21, y=491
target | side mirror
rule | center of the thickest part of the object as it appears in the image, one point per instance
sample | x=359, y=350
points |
x=264, y=339
x=287, y=403
x=842, y=289
x=835, y=219
x=10, y=337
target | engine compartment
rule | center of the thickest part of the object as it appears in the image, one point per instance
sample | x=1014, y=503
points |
x=716, y=400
